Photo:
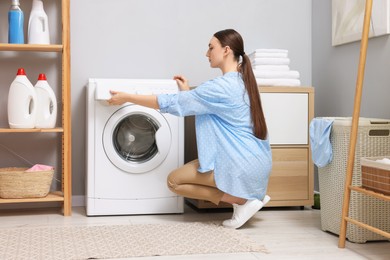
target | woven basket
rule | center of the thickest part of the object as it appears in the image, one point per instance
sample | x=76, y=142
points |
x=16, y=183
x=375, y=175
x=364, y=208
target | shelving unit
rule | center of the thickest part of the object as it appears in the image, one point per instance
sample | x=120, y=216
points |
x=31, y=47
x=63, y=196
x=353, y=139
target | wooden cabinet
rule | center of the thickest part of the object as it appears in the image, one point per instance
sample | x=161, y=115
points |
x=63, y=195
x=288, y=111
x=289, y=181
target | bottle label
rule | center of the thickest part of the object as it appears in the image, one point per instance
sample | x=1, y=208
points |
x=15, y=32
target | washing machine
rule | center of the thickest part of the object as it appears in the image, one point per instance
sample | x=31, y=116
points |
x=131, y=149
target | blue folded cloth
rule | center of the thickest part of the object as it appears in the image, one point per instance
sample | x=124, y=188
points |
x=321, y=147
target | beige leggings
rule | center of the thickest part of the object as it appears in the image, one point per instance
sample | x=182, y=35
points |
x=188, y=182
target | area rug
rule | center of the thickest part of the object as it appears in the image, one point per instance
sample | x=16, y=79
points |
x=122, y=241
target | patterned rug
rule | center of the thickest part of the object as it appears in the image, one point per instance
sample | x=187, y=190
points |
x=122, y=241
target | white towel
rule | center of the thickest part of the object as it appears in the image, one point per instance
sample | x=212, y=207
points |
x=271, y=67
x=271, y=61
x=267, y=55
x=384, y=160
x=275, y=74
x=278, y=82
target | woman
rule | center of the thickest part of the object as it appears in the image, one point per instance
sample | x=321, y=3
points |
x=234, y=152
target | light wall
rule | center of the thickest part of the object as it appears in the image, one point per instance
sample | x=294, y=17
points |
x=335, y=70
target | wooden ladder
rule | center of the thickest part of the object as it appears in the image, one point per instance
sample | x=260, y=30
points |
x=352, y=147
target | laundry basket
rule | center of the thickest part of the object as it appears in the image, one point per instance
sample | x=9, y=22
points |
x=373, y=139
x=16, y=183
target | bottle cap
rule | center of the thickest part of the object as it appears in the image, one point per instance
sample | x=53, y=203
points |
x=42, y=76
x=21, y=72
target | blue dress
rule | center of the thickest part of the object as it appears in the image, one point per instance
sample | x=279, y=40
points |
x=241, y=162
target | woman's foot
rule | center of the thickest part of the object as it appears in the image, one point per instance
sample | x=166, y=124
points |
x=242, y=213
x=266, y=200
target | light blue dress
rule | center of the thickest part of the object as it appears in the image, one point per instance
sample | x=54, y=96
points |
x=226, y=144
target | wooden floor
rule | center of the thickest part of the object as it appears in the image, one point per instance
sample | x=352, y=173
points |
x=287, y=233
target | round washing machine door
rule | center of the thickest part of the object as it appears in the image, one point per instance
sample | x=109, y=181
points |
x=136, y=139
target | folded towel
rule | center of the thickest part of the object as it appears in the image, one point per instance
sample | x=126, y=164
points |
x=272, y=50
x=267, y=74
x=271, y=67
x=278, y=82
x=270, y=61
x=267, y=55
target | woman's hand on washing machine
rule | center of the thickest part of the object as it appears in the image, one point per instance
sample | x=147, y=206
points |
x=119, y=98
x=182, y=82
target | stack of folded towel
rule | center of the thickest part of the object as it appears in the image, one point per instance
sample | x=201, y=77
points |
x=271, y=68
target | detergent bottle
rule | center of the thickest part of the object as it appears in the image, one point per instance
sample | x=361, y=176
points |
x=46, y=104
x=38, y=25
x=15, y=23
x=22, y=101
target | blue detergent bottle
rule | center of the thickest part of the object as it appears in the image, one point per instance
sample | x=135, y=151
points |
x=15, y=22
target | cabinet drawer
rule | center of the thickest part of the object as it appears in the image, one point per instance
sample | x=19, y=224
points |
x=289, y=178
x=287, y=116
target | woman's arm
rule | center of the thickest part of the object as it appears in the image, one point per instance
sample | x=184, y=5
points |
x=118, y=98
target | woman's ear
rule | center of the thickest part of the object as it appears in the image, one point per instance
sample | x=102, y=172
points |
x=227, y=50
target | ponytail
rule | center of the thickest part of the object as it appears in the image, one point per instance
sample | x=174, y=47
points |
x=233, y=39
x=257, y=114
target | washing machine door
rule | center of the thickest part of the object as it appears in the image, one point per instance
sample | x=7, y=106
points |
x=136, y=139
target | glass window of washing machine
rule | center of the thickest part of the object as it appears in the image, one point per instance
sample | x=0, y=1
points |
x=134, y=138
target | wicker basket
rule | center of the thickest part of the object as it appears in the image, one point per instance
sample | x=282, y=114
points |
x=16, y=183
x=376, y=175
x=373, y=140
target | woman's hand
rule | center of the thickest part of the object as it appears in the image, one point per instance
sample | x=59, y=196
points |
x=182, y=82
x=118, y=98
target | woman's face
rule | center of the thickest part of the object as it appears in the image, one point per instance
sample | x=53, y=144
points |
x=215, y=53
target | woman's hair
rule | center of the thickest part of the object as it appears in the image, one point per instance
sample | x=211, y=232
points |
x=233, y=39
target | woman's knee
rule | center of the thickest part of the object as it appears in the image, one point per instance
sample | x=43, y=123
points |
x=183, y=175
x=171, y=181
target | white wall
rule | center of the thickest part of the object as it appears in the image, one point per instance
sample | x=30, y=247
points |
x=161, y=38
x=335, y=70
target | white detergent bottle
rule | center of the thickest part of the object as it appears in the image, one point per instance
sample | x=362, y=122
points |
x=46, y=104
x=38, y=25
x=22, y=101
